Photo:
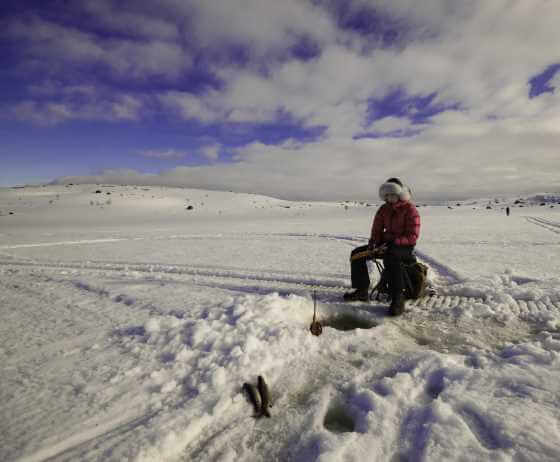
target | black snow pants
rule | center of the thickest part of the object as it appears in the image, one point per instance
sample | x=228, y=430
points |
x=393, y=261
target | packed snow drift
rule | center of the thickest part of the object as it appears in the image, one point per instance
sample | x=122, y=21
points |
x=132, y=316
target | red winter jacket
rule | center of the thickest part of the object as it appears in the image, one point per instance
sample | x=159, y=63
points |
x=398, y=223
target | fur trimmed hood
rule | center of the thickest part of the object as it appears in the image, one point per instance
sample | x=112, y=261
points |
x=394, y=186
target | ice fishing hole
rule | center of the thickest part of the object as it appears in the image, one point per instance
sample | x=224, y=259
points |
x=401, y=457
x=423, y=341
x=348, y=321
x=337, y=420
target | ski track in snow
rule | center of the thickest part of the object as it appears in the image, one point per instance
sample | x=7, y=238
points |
x=252, y=282
x=549, y=225
x=345, y=238
x=63, y=243
x=75, y=359
x=339, y=283
x=264, y=281
x=242, y=278
x=443, y=271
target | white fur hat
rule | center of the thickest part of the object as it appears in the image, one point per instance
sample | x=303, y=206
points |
x=394, y=186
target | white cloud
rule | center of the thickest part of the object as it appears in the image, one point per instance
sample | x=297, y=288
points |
x=51, y=47
x=390, y=124
x=165, y=154
x=114, y=176
x=435, y=164
x=162, y=59
x=47, y=40
x=121, y=107
x=555, y=81
x=126, y=108
x=53, y=88
x=211, y=152
x=189, y=106
x=42, y=114
x=479, y=55
x=265, y=25
x=142, y=22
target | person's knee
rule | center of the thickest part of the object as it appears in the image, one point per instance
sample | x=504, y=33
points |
x=391, y=260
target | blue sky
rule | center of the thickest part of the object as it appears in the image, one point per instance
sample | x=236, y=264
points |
x=311, y=99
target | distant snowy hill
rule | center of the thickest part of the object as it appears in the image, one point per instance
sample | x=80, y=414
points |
x=199, y=199
x=105, y=202
x=536, y=200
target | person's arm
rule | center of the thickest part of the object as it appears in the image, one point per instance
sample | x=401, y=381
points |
x=376, y=237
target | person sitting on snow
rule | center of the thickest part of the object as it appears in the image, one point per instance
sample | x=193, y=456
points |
x=395, y=230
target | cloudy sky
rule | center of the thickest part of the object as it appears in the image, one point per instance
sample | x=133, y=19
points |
x=313, y=99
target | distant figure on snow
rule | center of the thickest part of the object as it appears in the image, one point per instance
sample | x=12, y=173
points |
x=507, y=211
x=395, y=230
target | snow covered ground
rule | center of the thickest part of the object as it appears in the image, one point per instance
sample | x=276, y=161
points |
x=130, y=323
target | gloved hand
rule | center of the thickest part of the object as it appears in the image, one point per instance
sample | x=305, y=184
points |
x=382, y=248
x=378, y=250
x=371, y=245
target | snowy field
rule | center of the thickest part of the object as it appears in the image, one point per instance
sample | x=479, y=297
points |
x=129, y=324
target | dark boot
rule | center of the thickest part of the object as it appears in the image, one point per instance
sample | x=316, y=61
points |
x=397, y=306
x=358, y=295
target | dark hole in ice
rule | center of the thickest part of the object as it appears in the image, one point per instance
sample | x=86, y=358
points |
x=436, y=383
x=167, y=357
x=337, y=420
x=131, y=330
x=348, y=322
x=401, y=457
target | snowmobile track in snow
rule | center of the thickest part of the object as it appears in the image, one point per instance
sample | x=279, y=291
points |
x=546, y=224
x=241, y=279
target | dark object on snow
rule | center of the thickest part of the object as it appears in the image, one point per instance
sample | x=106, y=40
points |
x=316, y=328
x=417, y=274
x=190, y=207
x=507, y=211
x=259, y=397
x=98, y=191
x=254, y=397
x=415, y=280
x=399, y=267
x=357, y=295
x=265, y=396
